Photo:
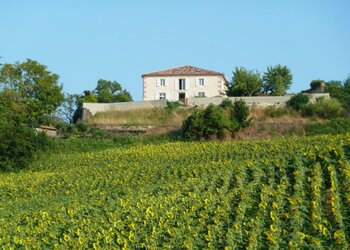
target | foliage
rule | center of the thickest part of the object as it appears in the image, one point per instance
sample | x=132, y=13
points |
x=337, y=126
x=88, y=96
x=36, y=87
x=340, y=91
x=277, y=80
x=17, y=141
x=226, y=104
x=111, y=91
x=216, y=120
x=286, y=193
x=241, y=113
x=244, y=83
x=193, y=127
x=298, y=101
x=324, y=108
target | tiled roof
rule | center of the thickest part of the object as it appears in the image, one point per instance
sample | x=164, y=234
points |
x=182, y=71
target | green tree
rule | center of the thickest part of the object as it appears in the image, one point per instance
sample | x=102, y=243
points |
x=36, y=87
x=277, y=80
x=111, y=91
x=244, y=83
x=17, y=141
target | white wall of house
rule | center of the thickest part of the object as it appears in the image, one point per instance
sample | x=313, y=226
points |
x=170, y=87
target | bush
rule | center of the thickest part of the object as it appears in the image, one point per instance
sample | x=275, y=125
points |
x=298, y=101
x=324, y=108
x=18, y=144
x=226, y=104
x=215, y=120
x=193, y=127
x=241, y=113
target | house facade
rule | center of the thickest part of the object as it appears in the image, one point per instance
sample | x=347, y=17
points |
x=182, y=82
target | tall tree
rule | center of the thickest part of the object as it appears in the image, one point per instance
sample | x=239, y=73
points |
x=36, y=87
x=244, y=83
x=277, y=80
x=111, y=91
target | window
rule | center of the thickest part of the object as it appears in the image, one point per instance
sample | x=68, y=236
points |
x=182, y=84
x=201, y=94
x=162, y=82
x=162, y=96
x=201, y=81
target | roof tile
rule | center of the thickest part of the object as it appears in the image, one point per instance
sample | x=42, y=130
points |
x=183, y=70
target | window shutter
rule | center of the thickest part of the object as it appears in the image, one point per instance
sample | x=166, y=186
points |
x=156, y=96
x=157, y=82
x=165, y=82
x=176, y=84
x=197, y=81
x=187, y=84
x=204, y=81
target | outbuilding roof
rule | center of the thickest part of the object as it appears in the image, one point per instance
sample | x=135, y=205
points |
x=184, y=71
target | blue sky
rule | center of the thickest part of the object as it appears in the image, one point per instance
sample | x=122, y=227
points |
x=85, y=40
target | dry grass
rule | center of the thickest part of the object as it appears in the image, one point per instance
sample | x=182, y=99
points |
x=140, y=117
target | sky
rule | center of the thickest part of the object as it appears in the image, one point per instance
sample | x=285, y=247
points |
x=119, y=40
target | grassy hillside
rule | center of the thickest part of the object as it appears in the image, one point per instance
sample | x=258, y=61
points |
x=291, y=192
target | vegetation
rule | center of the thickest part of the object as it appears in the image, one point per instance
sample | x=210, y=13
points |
x=333, y=127
x=324, y=108
x=341, y=91
x=286, y=193
x=216, y=120
x=33, y=86
x=105, y=92
x=277, y=80
x=298, y=101
x=140, y=117
x=29, y=94
x=244, y=83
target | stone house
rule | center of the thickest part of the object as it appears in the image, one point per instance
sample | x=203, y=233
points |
x=178, y=83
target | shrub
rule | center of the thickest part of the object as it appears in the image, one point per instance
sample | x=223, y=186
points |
x=324, y=108
x=241, y=113
x=193, y=127
x=215, y=120
x=18, y=142
x=226, y=104
x=298, y=101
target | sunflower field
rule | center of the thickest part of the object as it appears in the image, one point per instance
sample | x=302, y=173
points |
x=286, y=193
